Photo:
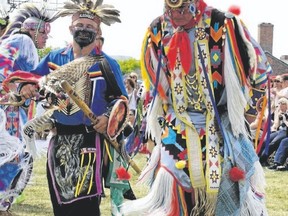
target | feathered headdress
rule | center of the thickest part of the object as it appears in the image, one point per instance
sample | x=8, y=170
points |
x=91, y=9
x=29, y=16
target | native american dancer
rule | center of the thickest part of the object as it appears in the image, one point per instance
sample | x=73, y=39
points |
x=26, y=32
x=202, y=64
x=79, y=154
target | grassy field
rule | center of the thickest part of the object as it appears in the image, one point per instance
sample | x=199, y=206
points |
x=37, y=201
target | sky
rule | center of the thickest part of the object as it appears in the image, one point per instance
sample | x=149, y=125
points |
x=125, y=38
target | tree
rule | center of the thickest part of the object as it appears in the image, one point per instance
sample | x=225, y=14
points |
x=44, y=52
x=127, y=66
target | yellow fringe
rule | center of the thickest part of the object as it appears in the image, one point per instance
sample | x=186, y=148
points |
x=210, y=207
x=108, y=150
x=91, y=179
x=85, y=174
x=78, y=181
x=204, y=202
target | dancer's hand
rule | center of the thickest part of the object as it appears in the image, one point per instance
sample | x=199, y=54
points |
x=29, y=91
x=101, y=124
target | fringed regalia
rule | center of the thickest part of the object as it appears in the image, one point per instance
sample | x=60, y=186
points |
x=79, y=159
x=202, y=80
x=15, y=166
x=17, y=52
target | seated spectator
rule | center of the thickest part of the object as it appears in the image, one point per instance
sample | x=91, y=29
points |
x=284, y=91
x=281, y=156
x=278, y=130
x=254, y=126
x=278, y=86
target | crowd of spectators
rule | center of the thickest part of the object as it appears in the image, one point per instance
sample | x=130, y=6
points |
x=273, y=153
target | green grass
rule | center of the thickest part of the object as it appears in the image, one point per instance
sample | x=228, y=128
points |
x=37, y=201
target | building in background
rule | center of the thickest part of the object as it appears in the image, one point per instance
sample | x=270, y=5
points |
x=265, y=39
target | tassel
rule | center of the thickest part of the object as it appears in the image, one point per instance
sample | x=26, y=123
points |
x=122, y=174
x=236, y=174
x=180, y=164
x=235, y=10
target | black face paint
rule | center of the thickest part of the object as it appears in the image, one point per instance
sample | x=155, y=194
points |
x=84, y=37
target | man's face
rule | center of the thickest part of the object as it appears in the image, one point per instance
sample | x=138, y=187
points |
x=84, y=31
x=40, y=36
x=85, y=23
x=39, y=31
x=182, y=15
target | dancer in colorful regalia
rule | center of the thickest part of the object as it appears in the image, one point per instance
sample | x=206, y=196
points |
x=201, y=64
x=79, y=153
x=27, y=31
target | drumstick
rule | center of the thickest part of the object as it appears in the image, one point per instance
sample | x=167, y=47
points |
x=88, y=112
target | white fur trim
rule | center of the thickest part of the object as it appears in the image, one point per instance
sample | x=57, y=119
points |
x=153, y=128
x=258, y=181
x=158, y=200
x=147, y=175
x=236, y=101
x=253, y=205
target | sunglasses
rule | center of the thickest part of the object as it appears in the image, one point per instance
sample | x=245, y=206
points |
x=277, y=81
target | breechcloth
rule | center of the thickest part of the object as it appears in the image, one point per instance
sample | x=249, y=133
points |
x=74, y=171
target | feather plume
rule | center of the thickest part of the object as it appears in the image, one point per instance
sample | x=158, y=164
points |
x=25, y=11
x=98, y=3
x=70, y=5
x=106, y=12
